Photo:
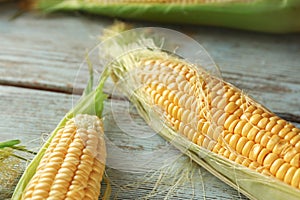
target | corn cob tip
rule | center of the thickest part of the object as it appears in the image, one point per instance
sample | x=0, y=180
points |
x=94, y=127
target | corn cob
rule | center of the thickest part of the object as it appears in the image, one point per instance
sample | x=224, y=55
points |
x=219, y=117
x=213, y=115
x=73, y=164
x=256, y=15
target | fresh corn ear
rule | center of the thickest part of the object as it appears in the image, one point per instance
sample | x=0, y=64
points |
x=73, y=164
x=276, y=16
x=215, y=123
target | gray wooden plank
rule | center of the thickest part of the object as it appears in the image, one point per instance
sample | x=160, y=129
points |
x=133, y=152
x=45, y=52
x=29, y=114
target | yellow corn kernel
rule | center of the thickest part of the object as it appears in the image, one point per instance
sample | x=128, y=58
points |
x=244, y=128
x=73, y=164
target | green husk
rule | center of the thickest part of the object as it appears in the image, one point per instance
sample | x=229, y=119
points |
x=274, y=16
x=7, y=149
x=249, y=182
x=9, y=143
x=90, y=103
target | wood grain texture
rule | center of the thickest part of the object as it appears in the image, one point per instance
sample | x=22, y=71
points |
x=40, y=57
x=44, y=52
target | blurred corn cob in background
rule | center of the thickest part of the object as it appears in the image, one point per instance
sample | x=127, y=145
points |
x=275, y=16
x=213, y=122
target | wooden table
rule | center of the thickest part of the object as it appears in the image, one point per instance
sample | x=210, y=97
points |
x=39, y=59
